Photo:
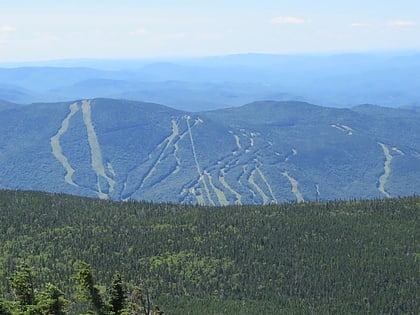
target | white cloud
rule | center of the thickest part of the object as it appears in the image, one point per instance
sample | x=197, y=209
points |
x=7, y=29
x=288, y=20
x=359, y=24
x=402, y=23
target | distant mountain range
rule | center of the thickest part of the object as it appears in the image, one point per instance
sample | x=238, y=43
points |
x=197, y=84
x=262, y=152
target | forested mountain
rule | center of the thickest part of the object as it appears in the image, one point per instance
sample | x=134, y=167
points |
x=355, y=257
x=260, y=153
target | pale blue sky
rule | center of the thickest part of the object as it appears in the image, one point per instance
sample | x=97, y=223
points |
x=52, y=29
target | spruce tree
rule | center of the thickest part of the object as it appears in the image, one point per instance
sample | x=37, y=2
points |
x=88, y=290
x=117, y=298
x=22, y=286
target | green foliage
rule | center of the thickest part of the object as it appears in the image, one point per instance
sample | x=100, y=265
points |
x=88, y=290
x=140, y=300
x=117, y=298
x=22, y=284
x=5, y=307
x=29, y=301
x=353, y=257
x=51, y=301
x=229, y=156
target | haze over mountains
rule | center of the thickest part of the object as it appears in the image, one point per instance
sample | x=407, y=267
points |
x=263, y=152
x=186, y=135
x=196, y=84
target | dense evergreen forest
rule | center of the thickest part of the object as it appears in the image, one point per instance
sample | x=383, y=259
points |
x=342, y=257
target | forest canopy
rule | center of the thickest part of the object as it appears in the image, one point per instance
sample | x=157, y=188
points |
x=341, y=257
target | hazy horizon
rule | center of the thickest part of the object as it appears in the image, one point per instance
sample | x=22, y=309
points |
x=128, y=29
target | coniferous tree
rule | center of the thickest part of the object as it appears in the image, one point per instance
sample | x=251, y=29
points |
x=117, y=298
x=23, y=287
x=4, y=308
x=51, y=301
x=140, y=302
x=88, y=290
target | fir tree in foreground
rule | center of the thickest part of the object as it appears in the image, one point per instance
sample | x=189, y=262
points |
x=28, y=300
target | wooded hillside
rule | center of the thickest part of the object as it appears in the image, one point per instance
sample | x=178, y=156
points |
x=355, y=257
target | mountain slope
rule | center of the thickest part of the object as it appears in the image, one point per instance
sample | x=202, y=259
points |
x=355, y=257
x=263, y=152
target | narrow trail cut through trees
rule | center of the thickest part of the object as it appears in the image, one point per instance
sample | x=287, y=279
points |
x=166, y=143
x=201, y=175
x=251, y=180
x=222, y=180
x=221, y=197
x=274, y=199
x=96, y=155
x=387, y=170
x=295, y=187
x=56, y=146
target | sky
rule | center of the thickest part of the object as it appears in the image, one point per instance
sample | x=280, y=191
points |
x=51, y=29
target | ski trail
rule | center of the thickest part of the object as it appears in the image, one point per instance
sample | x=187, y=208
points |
x=251, y=142
x=174, y=138
x=200, y=173
x=176, y=147
x=243, y=173
x=318, y=193
x=398, y=151
x=175, y=131
x=251, y=180
x=387, y=170
x=267, y=184
x=166, y=143
x=111, y=169
x=343, y=128
x=295, y=188
x=177, y=159
x=56, y=147
x=250, y=138
x=221, y=197
x=199, y=197
x=237, y=140
x=95, y=151
x=227, y=186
